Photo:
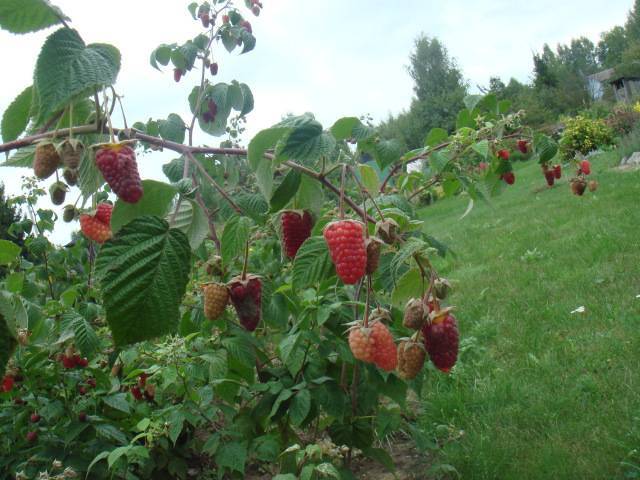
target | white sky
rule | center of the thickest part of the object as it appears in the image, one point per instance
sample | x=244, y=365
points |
x=332, y=57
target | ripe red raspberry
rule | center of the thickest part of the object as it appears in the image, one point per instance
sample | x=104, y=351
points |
x=255, y=10
x=361, y=343
x=82, y=417
x=68, y=362
x=374, y=245
x=411, y=356
x=32, y=437
x=216, y=297
x=246, y=296
x=177, y=74
x=82, y=390
x=550, y=176
x=385, y=354
x=45, y=160
x=7, y=383
x=81, y=362
x=117, y=163
x=504, y=154
x=585, y=167
x=34, y=418
x=225, y=19
x=142, y=379
x=213, y=68
x=414, y=314
x=296, y=228
x=509, y=178
x=98, y=226
x=441, y=340
x=557, y=172
x=136, y=392
x=345, y=240
x=523, y=146
x=91, y=382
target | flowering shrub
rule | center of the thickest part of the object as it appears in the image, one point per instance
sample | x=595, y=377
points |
x=583, y=135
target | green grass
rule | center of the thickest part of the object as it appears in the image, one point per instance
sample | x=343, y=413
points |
x=540, y=393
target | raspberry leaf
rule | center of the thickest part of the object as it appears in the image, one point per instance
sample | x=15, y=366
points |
x=235, y=235
x=155, y=201
x=8, y=340
x=312, y=263
x=144, y=272
x=84, y=334
x=191, y=220
x=286, y=190
x=67, y=68
x=16, y=116
x=24, y=16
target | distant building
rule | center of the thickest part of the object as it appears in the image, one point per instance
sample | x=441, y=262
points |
x=625, y=86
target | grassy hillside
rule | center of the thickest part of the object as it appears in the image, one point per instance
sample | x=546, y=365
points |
x=540, y=392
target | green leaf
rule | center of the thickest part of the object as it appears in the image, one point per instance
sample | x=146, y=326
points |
x=248, y=41
x=143, y=271
x=435, y=137
x=504, y=106
x=312, y=263
x=343, y=128
x=545, y=148
x=232, y=455
x=9, y=251
x=67, y=68
x=184, y=56
x=306, y=141
x=192, y=221
x=21, y=158
x=369, y=178
x=161, y=55
x=8, y=342
x=176, y=424
x=300, y=407
x=247, y=99
x=410, y=285
x=286, y=190
x=465, y=120
x=85, y=335
x=100, y=456
x=381, y=456
x=173, y=128
x=291, y=354
x=118, y=401
x=310, y=195
x=471, y=101
x=155, y=201
x=117, y=454
x=327, y=469
x=481, y=148
x=234, y=237
x=384, y=152
x=16, y=116
x=24, y=16
x=261, y=166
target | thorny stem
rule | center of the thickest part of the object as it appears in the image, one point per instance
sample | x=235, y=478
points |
x=213, y=183
x=212, y=227
x=342, y=177
x=70, y=123
x=366, y=193
x=245, y=264
x=124, y=117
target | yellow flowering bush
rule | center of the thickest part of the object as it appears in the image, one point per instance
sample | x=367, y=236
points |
x=583, y=135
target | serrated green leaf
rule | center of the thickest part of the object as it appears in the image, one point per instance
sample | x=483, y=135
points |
x=412, y=246
x=300, y=407
x=161, y=55
x=67, y=68
x=234, y=237
x=247, y=97
x=156, y=200
x=16, y=116
x=481, y=148
x=24, y=16
x=9, y=252
x=191, y=220
x=143, y=271
x=384, y=152
x=8, y=342
x=184, y=56
x=410, y=285
x=435, y=137
x=464, y=120
x=262, y=167
x=21, y=158
x=231, y=455
x=312, y=263
x=85, y=336
x=343, y=128
x=306, y=141
x=310, y=195
x=545, y=147
x=118, y=401
x=173, y=128
x=369, y=178
x=286, y=190
x=471, y=101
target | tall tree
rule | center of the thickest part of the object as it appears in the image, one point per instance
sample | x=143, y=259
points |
x=633, y=23
x=612, y=46
x=439, y=89
x=8, y=215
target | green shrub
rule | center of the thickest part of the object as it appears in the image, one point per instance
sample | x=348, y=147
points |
x=583, y=135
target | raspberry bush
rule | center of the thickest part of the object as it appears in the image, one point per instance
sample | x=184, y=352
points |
x=120, y=358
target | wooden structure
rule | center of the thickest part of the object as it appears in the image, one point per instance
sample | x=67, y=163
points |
x=625, y=87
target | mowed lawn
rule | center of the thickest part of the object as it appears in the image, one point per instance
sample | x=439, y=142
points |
x=539, y=392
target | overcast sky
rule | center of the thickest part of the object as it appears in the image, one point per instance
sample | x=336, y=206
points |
x=332, y=57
